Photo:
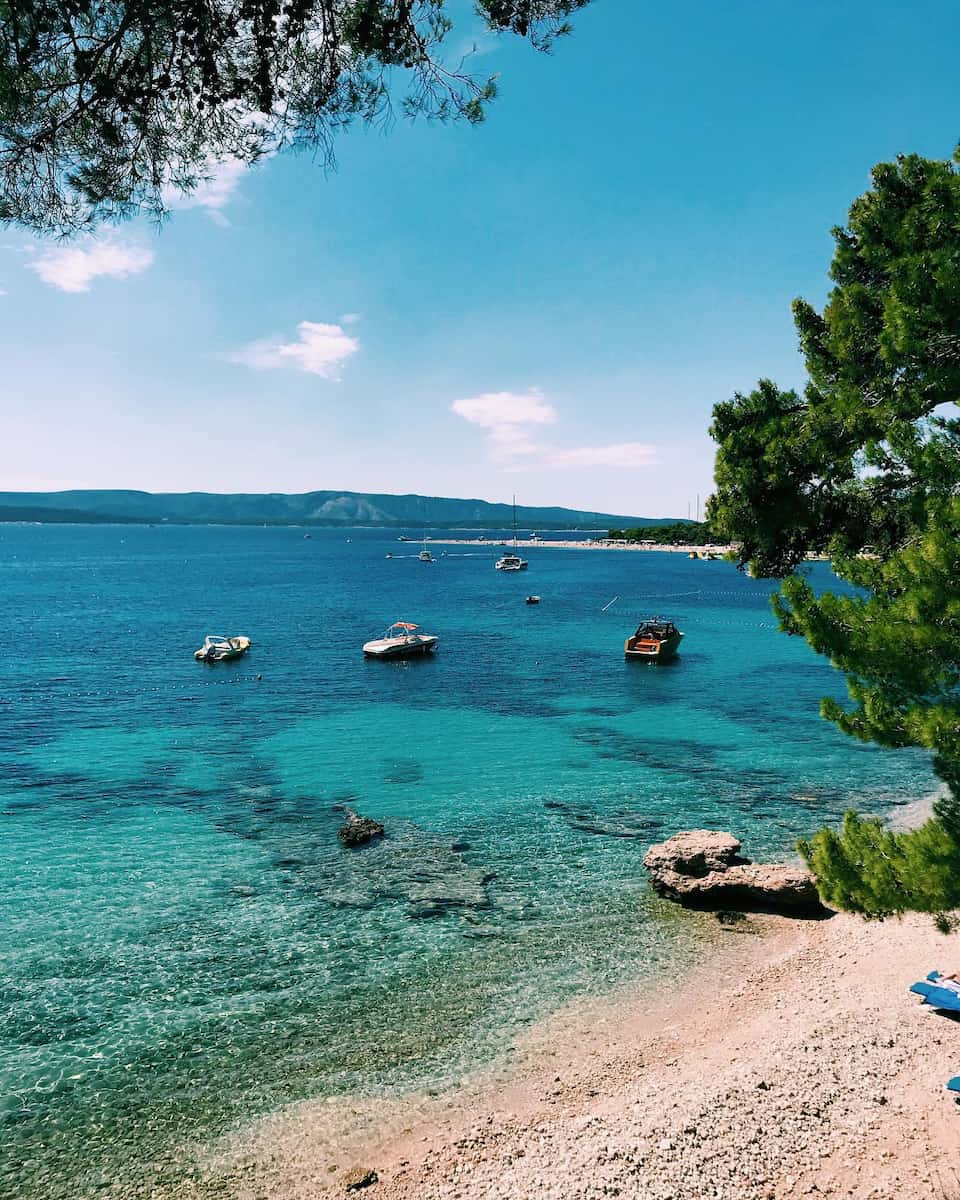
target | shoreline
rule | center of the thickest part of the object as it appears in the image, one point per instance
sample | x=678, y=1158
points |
x=791, y=1062
x=571, y=544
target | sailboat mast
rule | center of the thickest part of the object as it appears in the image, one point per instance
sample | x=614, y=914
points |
x=514, y=520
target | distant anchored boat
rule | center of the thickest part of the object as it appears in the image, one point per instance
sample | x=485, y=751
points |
x=401, y=640
x=512, y=562
x=656, y=640
x=533, y=600
x=216, y=648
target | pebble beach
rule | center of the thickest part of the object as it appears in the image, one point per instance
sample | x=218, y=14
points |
x=794, y=1063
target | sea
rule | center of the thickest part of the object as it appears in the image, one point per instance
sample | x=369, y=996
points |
x=185, y=945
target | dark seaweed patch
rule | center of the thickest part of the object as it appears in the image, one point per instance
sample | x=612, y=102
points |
x=403, y=770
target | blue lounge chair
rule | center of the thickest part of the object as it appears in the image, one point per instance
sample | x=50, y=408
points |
x=954, y=1084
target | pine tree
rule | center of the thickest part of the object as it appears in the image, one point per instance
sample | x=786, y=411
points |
x=865, y=466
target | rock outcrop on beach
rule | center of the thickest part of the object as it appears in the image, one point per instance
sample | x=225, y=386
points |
x=703, y=868
x=358, y=830
x=358, y=1178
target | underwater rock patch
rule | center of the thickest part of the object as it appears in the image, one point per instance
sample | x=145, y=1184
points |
x=620, y=824
x=403, y=770
x=358, y=830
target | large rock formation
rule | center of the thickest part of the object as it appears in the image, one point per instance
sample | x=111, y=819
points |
x=702, y=868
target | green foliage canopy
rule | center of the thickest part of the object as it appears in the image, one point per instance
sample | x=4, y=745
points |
x=106, y=104
x=870, y=869
x=865, y=466
x=674, y=533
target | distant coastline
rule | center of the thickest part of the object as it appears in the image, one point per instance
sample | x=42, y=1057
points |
x=323, y=509
x=55, y=517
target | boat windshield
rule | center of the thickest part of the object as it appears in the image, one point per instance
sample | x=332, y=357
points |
x=657, y=628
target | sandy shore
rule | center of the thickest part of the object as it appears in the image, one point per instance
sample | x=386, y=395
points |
x=794, y=1063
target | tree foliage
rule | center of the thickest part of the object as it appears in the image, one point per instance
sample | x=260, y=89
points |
x=106, y=104
x=865, y=465
x=867, y=868
x=673, y=533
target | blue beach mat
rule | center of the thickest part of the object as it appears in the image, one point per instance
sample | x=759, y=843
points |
x=954, y=1084
x=937, y=996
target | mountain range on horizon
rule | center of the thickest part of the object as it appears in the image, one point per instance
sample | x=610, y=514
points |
x=82, y=506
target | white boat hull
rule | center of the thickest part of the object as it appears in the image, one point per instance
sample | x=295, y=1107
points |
x=216, y=650
x=401, y=647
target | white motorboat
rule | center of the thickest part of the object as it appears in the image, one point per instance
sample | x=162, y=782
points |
x=401, y=640
x=216, y=648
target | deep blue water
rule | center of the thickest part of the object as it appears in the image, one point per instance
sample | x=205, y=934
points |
x=184, y=943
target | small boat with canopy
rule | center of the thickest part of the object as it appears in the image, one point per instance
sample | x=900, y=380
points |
x=217, y=648
x=656, y=640
x=401, y=640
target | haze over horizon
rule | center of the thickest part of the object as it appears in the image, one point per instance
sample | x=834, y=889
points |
x=595, y=267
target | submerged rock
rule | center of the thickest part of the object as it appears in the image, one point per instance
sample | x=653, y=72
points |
x=703, y=868
x=426, y=908
x=410, y=866
x=359, y=830
x=619, y=823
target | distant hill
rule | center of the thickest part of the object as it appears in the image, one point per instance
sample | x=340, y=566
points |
x=308, y=508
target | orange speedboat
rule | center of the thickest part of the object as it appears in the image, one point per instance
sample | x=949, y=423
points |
x=656, y=640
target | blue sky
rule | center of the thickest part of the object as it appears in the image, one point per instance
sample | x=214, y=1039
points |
x=549, y=304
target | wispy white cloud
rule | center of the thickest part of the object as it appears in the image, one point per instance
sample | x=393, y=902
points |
x=319, y=350
x=510, y=420
x=349, y=318
x=213, y=194
x=494, y=410
x=619, y=454
x=73, y=268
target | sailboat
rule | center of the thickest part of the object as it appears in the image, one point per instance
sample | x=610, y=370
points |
x=512, y=562
x=425, y=555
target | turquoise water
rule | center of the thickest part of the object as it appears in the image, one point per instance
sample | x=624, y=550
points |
x=184, y=944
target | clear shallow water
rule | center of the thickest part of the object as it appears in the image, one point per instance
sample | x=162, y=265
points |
x=183, y=942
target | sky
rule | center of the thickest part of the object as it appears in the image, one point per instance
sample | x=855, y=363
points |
x=548, y=304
